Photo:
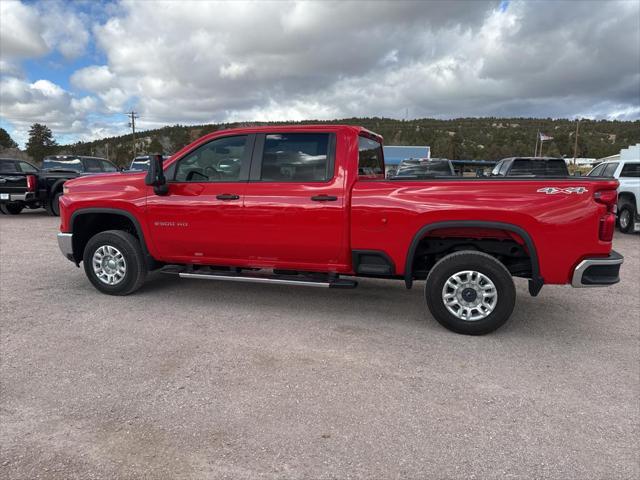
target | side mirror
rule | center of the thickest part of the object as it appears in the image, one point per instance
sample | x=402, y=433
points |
x=155, y=175
x=577, y=174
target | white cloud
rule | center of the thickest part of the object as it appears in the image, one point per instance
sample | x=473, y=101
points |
x=20, y=35
x=33, y=30
x=222, y=61
x=24, y=103
x=64, y=30
x=94, y=78
x=197, y=62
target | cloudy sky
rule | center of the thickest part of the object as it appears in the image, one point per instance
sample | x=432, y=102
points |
x=77, y=66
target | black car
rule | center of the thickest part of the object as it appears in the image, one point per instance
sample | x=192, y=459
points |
x=57, y=169
x=18, y=186
x=530, y=167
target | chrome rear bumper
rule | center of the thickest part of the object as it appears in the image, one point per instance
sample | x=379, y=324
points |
x=598, y=272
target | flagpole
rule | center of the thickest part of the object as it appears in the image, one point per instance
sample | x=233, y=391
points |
x=575, y=146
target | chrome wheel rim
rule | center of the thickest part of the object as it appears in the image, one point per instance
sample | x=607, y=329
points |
x=109, y=265
x=625, y=216
x=469, y=295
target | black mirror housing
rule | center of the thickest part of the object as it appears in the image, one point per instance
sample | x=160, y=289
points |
x=155, y=175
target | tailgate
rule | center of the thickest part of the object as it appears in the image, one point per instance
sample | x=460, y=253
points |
x=12, y=183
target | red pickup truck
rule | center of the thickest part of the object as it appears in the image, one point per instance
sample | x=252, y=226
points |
x=310, y=205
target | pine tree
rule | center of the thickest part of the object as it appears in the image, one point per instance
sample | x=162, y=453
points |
x=155, y=146
x=5, y=140
x=41, y=142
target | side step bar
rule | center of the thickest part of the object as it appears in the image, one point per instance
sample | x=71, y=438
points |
x=324, y=281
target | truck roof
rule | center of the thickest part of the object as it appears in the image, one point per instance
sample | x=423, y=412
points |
x=305, y=127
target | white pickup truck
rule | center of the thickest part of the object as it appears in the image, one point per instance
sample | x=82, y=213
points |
x=628, y=174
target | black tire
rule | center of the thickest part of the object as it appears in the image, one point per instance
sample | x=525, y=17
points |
x=11, y=208
x=626, y=218
x=53, y=205
x=129, y=247
x=488, y=266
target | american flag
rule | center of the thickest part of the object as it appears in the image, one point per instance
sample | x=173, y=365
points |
x=543, y=137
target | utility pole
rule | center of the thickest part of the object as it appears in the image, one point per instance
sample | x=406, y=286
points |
x=132, y=123
x=575, y=145
x=535, y=151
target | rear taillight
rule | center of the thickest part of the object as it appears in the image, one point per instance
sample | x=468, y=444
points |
x=608, y=198
x=31, y=183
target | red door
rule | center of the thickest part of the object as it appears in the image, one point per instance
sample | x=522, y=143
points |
x=201, y=218
x=295, y=214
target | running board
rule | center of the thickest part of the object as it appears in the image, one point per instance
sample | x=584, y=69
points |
x=251, y=277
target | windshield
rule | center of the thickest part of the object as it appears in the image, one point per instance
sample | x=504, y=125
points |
x=71, y=164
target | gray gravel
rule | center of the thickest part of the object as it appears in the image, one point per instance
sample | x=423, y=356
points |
x=196, y=379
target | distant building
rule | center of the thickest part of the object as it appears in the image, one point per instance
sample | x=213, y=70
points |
x=632, y=152
x=394, y=154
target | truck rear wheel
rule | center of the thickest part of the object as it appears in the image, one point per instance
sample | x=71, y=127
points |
x=626, y=218
x=114, y=262
x=53, y=205
x=11, y=208
x=470, y=292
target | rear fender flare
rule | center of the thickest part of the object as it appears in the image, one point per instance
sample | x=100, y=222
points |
x=536, y=282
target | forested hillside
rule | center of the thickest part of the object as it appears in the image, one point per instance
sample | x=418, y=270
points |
x=462, y=138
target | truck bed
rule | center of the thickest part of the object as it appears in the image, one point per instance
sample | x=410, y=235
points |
x=556, y=213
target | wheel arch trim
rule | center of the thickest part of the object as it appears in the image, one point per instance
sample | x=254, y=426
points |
x=536, y=282
x=115, y=211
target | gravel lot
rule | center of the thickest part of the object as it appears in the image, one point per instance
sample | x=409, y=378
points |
x=196, y=379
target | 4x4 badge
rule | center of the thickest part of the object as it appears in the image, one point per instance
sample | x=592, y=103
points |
x=554, y=190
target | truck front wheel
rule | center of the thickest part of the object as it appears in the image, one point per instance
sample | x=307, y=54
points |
x=470, y=292
x=11, y=208
x=114, y=262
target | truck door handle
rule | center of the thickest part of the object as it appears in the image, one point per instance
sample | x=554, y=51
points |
x=227, y=196
x=324, y=198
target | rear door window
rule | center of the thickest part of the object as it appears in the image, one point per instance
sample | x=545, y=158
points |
x=296, y=157
x=92, y=165
x=631, y=170
x=596, y=172
x=8, y=167
x=27, y=167
x=370, y=158
x=610, y=169
x=108, y=166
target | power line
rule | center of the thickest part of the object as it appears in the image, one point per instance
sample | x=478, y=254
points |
x=132, y=123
